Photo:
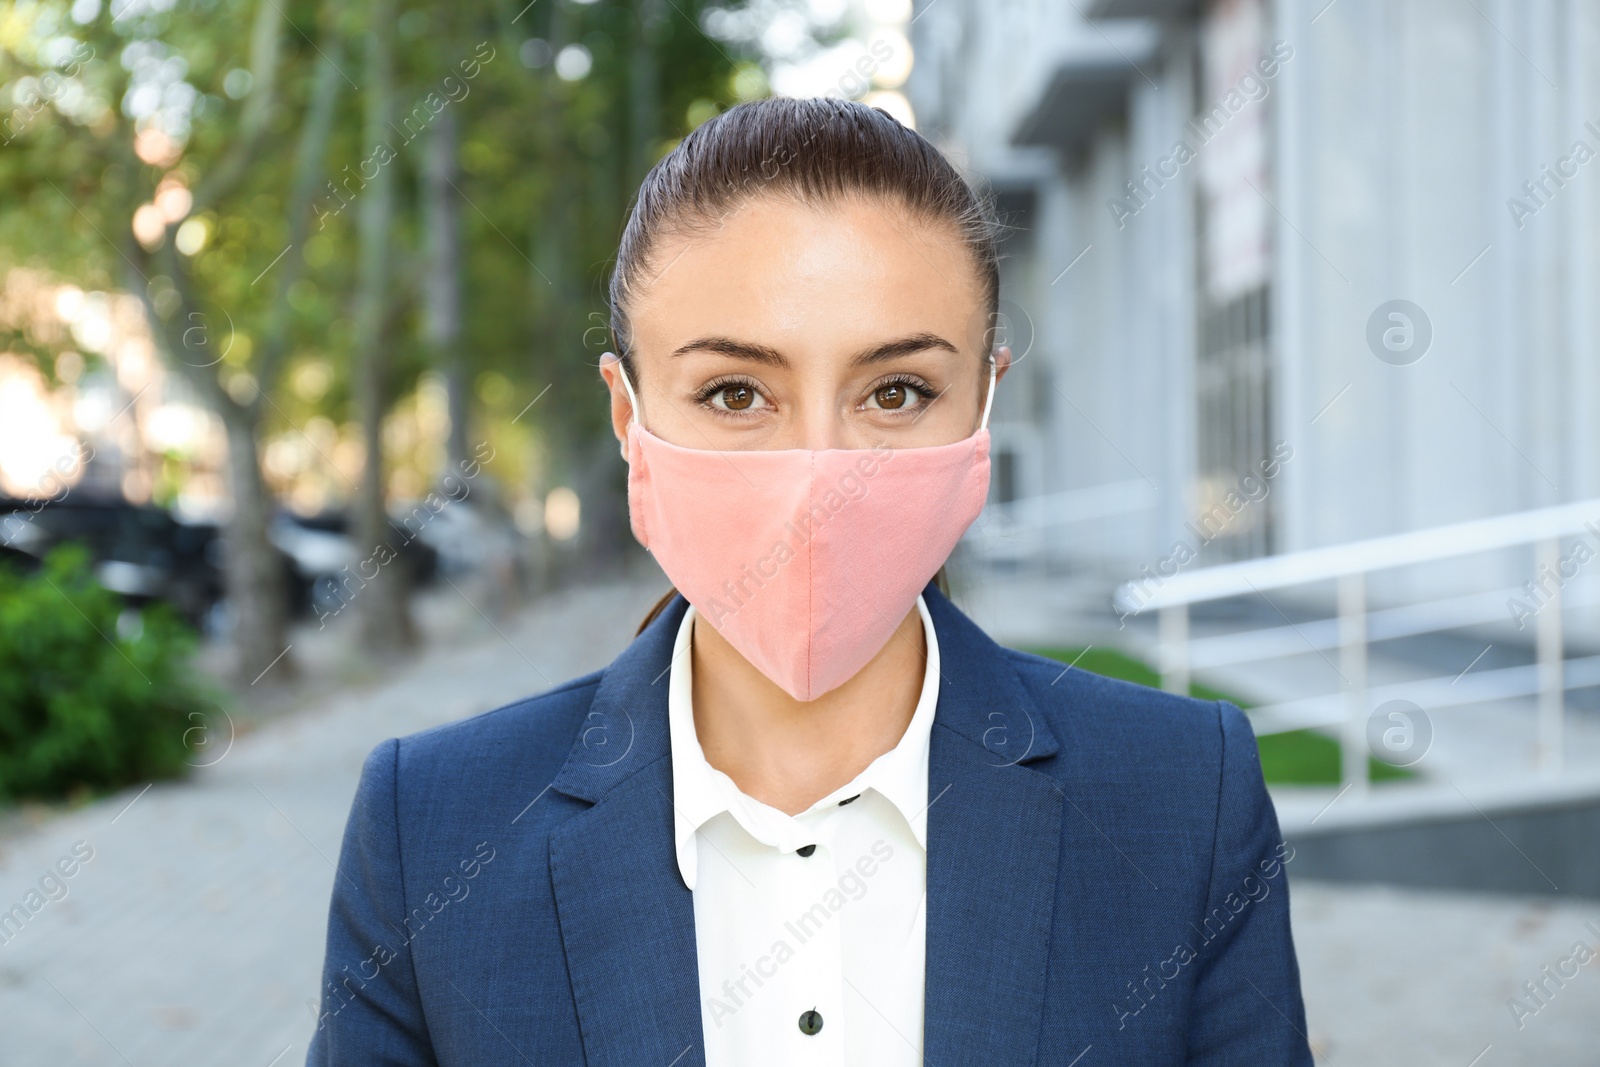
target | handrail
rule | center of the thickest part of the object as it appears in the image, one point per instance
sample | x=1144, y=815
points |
x=1361, y=557
x=1348, y=565
x=1383, y=624
x=1444, y=691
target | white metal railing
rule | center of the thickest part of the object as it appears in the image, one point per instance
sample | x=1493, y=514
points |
x=1353, y=627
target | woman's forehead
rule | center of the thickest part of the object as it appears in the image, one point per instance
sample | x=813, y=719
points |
x=833, y=272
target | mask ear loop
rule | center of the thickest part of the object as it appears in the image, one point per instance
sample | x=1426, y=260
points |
x=988, y=401
x=633, y=401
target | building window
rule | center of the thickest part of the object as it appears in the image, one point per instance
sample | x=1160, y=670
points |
x=1233, y=372
x=1233, y=388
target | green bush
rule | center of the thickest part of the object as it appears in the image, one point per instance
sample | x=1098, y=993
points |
x=82, y=707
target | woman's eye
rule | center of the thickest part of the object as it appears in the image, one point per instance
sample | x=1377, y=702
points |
x=736, y=397
x=895, y=396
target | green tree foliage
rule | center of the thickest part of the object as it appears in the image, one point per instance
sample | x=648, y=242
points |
x=258, y=94
x=550, y=167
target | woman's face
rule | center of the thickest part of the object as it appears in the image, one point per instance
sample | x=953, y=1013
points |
x=845, y=325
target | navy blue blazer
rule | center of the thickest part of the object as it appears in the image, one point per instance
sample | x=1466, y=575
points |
x=1106, y=880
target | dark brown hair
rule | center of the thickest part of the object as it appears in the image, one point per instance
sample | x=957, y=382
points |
x=814, y=151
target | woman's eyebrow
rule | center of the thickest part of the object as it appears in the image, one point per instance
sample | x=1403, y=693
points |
x=727, y=346
x=757, y=353
x=904, y=346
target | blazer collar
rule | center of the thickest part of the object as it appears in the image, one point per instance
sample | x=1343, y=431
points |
x=626, y=727
x=994, y=839
x=980, y=696
x=994, y=845
x=702, y=792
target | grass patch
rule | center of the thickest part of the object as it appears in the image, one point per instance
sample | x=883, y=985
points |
x=1294, y=757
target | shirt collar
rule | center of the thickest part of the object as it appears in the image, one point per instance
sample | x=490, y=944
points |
x=701, y=792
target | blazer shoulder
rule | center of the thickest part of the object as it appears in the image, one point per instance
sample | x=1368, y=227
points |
x=542, y=725
x=1093, y=707
x=468, y=778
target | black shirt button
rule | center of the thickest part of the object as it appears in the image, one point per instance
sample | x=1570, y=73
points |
x=810, y=1022
x=807, y=850
x=842, y=803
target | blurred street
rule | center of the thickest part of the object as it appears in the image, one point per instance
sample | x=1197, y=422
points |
x=1409, y=978
x=194, y=933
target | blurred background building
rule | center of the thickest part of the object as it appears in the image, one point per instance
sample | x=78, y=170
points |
x=1212, y=201
x=1303, y=298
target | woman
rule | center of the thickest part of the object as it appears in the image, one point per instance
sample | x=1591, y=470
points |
x=813, y=814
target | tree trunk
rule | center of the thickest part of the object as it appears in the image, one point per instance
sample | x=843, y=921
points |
x=253, y=578
x=253, y=572
x=381, y=602
x=253, y=569
x=442, y=294
x=644, y=94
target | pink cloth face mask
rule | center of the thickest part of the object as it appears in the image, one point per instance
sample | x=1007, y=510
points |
x=805, y=560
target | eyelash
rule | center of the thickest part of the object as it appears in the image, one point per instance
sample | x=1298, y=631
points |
x=924, y=391
x=716, y=385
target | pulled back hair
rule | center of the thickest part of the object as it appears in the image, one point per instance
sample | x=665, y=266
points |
x=814, y=151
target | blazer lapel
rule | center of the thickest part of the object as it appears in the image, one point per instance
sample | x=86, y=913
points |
x=994, y=834
x=994, y=842
x=627, y=920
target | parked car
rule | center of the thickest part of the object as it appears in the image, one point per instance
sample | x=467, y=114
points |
x=139, y=551
x=325, y=563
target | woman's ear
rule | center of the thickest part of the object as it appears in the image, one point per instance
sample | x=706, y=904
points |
x=621, y=406
x=1002, y=359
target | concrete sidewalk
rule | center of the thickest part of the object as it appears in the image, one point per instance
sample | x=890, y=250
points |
x=1407, y=978
x=194, y=932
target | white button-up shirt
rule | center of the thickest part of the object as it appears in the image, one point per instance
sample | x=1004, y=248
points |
x=841, y=932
